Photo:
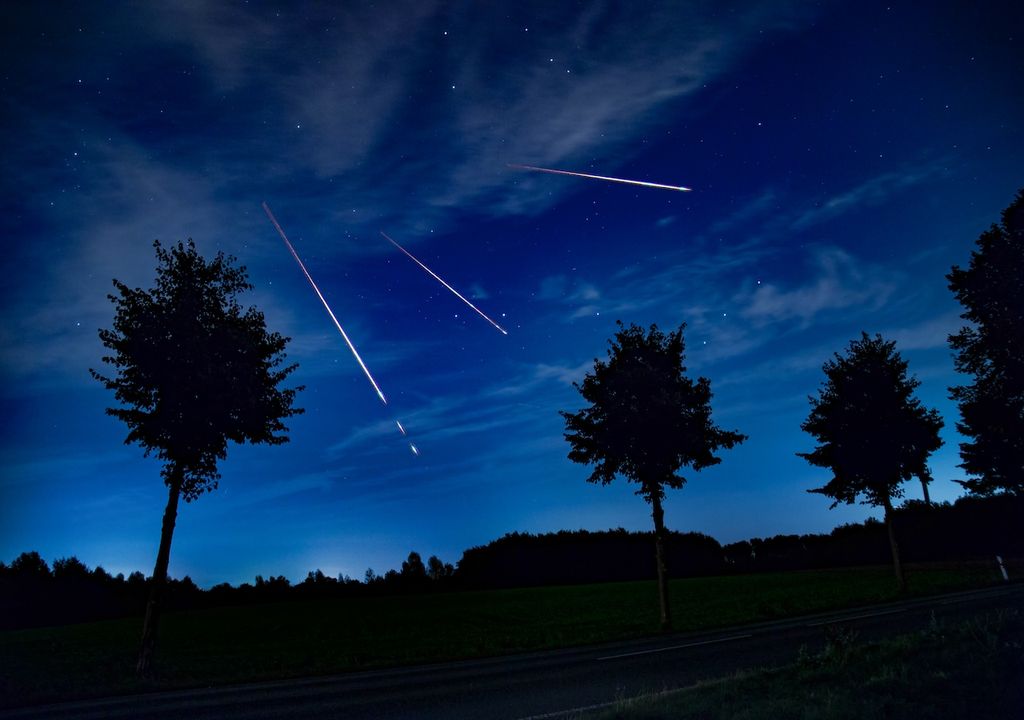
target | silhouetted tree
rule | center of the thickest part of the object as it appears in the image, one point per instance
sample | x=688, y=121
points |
x=413, y=568
x=317, y=579
x=438, y=570
x=991, y=290
x=70, y=569
x=873, y=434
x=31, y=564
x=646, y=420
x=193, y=371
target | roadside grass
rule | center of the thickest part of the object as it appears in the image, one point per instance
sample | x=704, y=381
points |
x=314, y=637
x=972, y=669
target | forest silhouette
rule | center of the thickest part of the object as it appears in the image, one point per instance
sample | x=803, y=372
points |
x=973, y=529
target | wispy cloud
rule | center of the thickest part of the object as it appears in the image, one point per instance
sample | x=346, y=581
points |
x=932, y=332
x=540, y=374
x=511, y=95
x=477, y=292
x=870, y=192
x=838, y=282
x=581, y=297
x=278, y=489
x=755, y=207
x=531, y=393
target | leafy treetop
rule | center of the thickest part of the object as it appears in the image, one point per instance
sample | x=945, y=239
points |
x=873, y=433
x=991, y=290
x=192, y=369
x=646, y=419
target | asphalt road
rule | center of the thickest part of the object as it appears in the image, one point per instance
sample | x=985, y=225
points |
x=535, y=685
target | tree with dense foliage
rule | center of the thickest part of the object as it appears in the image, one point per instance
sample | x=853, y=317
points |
x=991, y=290
x=646, y=421
x=413, y=568
x=438, y=570
x=31, y=564
x=873, y=434
x=70, y=569
x=192, y=371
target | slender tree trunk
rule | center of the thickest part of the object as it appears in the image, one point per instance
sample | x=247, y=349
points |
x=927, y=497
x=659, y=553
x=901, y=582
x=144, y=667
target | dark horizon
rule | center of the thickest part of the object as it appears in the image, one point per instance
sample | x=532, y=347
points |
x=965, y=531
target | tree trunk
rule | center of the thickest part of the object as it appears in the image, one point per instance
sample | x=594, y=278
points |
x=901, y=582
x=927, y=497
x=659, y=553
x=144, y=667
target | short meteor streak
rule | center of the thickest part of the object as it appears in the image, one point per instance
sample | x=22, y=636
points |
x=327, y=307
x=437, y=277
x=678, y=188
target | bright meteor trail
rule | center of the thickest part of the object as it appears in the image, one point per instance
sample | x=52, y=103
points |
x=436, y=277
x=680, y=188
x=327, y=307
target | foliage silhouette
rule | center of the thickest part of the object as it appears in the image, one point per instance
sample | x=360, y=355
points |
x=582, y=556
x=438, y=570
x=646, y=420
x=31, y=564
x=192, y=371
x=991, y=290
x=872, y=433
x=413, y=567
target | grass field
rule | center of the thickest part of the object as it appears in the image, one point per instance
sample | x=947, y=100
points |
x=300, y=638
x=968, y=670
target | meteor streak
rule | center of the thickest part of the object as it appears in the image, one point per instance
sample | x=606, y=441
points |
x=327, y=307
x=680, y=188
x=438, y=278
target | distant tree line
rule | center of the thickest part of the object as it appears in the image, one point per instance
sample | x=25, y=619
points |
x=33, y=594
x=565, y=558
x=972, y=528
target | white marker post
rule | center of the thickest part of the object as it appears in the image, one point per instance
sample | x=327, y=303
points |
x=1002, y=568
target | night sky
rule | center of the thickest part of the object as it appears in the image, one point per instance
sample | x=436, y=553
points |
x=842, y=157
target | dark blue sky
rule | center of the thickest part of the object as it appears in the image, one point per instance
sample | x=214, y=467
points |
x=843, y=156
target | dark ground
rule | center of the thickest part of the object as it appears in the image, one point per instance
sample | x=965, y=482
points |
x=539, y=684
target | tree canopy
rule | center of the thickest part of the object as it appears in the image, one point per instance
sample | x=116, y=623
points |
x=192, y=369
x=991, y=349
x=873, y=433
x=646, y=419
